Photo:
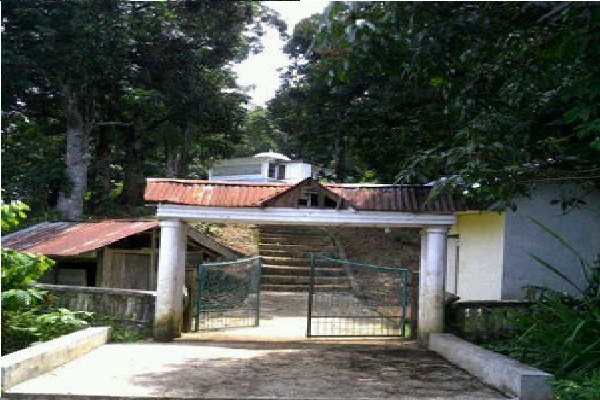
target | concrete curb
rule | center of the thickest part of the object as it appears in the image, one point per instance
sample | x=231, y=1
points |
x=28, y=363
x=508, y=375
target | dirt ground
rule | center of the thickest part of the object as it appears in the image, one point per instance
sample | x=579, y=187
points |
x=274, y=361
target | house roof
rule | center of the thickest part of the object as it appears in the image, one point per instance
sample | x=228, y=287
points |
x=366, y=197
x=272, y=154
x=71, y=238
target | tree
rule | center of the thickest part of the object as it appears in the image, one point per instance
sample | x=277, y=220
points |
x=497, y=78
x=480, y=93
x=130, y=89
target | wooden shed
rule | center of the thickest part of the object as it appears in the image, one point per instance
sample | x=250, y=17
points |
x=109, y=253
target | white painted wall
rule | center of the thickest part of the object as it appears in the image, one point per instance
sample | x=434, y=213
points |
x=296, y=172
x=480, y=254
x=579, y=227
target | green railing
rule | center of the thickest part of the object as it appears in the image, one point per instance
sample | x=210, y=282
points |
x=354, y=299
x=228, y=294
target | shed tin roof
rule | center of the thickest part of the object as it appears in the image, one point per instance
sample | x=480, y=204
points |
x=71, y=238
x=365, y=197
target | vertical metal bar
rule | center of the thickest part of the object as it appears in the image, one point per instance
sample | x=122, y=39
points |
x=257, y=283
x=414, y=304
x=201, y=277
x=404, y=295
x=310, y=295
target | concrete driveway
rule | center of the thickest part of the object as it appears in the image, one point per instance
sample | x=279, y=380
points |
x=274, y=361
x=242, y=370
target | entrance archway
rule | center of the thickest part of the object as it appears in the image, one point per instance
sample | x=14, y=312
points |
x=342, y=205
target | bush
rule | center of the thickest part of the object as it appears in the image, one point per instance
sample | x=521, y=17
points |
x=23, y=328
x=587, y=388
x=26, y=319
x=561, y=333
x=122, y=331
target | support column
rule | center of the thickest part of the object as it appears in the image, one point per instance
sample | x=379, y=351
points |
x=167, y=315
x=179, y=284
x=431, y=281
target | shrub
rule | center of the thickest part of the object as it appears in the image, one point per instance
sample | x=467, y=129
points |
x=587, y=388
x=561, y=333
x=26, y=319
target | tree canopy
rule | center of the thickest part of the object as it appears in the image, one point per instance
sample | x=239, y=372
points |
x=491, y=97
x=99, y=94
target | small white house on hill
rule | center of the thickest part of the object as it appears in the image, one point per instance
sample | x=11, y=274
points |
x=263, y=167
x=489, y=253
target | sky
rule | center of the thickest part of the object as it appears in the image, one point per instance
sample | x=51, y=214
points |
x=261, y=69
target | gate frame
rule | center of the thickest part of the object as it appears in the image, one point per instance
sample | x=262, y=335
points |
x=407, y=276
x=171, y=260
x=202, y=274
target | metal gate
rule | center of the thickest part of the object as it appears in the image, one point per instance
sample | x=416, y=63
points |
x=353, y=299
x=228, y=295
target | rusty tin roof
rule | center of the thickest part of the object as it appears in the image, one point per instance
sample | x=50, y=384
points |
x=70, y=238
x=366, y=197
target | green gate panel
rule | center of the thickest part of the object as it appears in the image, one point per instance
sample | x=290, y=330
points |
x=362, y=300
x=228, y=295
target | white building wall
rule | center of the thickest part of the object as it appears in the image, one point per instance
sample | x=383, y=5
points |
x=293, y=172
x=296, y=172
x=580, y=228
x=478, y=274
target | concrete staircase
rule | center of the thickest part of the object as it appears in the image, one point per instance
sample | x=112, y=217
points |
x=286, y=259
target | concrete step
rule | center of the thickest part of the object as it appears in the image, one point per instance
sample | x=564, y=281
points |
x=298, y=261
x=299, y=270
x=293, y=240
x=304, y=288
x=302, y=280
x=294, y=230
x=295, y=248
x=276, y=252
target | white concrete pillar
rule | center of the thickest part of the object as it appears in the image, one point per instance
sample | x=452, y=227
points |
x=178, y=305
x=168, y=311
x=431, y=281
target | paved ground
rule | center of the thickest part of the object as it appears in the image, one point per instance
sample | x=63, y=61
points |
x=236, y=366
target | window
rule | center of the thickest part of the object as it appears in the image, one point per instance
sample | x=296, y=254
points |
x=271, y=173
x=281, y=172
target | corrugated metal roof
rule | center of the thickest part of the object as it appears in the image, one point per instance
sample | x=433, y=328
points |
x=367, y=197
x=70, y=238
x=212, y=193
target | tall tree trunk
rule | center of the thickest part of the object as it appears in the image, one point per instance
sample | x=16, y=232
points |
x=70, y=199
x=133, y=172
x=101, y=169
x=171, y=162
x=177, y=160
x=183, y=162
x=339, y=156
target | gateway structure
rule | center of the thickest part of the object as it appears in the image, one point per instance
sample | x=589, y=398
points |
x=305, y=203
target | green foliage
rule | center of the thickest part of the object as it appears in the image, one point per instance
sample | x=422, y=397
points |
x=12, y=214
x=19, y=269
x=492, y=96
x=146, y=88
x=560, y=333
x=23, y=328
x=580, y=389
x=25, y=317
x=122, y=331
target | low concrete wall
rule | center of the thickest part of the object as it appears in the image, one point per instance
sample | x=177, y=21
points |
x=36, y=360
x=126, y=305
x=508, y=375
